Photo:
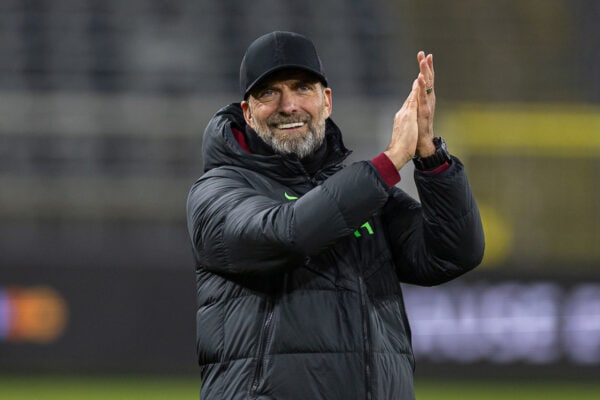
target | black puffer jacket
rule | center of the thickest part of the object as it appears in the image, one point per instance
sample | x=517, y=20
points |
x=298, y=277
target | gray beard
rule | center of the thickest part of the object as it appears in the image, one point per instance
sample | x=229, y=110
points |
x=301, y=146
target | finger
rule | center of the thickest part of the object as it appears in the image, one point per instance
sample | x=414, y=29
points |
x=420, y=56
x=430, y=65
x=426, y=71
x=430, y=62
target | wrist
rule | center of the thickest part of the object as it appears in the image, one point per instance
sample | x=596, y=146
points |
x=398, y=158
x=439, y=157
x=425, y=147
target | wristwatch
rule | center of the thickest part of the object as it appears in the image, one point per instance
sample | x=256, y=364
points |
x=440, y=156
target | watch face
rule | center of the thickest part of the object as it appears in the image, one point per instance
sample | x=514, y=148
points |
x=439, y=142
x=443, y=147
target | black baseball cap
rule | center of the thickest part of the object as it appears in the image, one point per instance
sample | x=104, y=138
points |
x=275, y=51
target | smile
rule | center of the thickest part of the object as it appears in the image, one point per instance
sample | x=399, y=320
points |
x=290, y=125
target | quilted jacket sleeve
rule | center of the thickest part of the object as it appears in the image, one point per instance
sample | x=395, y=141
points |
x=441, y=238
x=235, y=229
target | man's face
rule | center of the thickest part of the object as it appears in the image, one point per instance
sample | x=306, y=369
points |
x=288, y=112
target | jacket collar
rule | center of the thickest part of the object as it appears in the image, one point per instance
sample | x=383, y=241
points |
x=222, y=146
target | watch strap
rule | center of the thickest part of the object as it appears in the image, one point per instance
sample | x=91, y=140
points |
x=435, y=160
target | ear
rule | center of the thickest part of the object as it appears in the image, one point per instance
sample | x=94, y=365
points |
x=247, y=114
x=327, y=98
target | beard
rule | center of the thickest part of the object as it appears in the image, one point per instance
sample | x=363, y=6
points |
x=300, y=144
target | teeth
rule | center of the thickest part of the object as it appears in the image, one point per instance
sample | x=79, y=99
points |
x=290, y=125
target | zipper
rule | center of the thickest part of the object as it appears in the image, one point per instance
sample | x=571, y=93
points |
x=366, y=336
x=262, y=346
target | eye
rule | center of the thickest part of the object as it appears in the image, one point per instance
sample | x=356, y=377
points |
x=266, y=94
x=304, y=87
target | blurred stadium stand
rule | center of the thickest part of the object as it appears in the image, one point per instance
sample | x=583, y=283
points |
x=181, y=46
x=103, y=104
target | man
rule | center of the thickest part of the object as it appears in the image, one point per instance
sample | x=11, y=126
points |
x=299, y=259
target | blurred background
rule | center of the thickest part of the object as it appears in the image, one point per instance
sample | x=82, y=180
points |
x=102, y=108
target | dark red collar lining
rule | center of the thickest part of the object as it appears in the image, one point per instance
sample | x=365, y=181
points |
x=241, y=139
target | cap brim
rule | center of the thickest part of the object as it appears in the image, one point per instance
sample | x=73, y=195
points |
x=271, y=71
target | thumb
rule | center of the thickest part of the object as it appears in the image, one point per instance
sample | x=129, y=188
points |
x=413, y=96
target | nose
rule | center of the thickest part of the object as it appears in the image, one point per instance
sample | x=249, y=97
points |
x=288, y=101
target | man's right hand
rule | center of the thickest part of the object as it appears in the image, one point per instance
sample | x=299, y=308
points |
x=403, y=143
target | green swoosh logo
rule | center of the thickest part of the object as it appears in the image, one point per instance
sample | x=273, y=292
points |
x=290, y=197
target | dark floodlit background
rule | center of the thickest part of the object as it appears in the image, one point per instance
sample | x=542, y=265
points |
x=102, y=108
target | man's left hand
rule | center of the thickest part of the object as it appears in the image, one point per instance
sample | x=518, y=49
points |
x=426, y=105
